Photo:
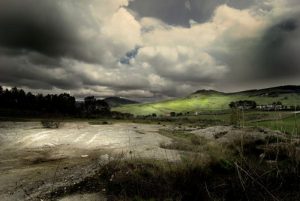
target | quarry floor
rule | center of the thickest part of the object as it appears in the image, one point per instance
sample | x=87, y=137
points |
x=35, y=160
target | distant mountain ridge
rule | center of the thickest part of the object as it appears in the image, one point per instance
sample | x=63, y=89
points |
x=257, y=92
x=207, y=91
x=287, y=89
x=117, y=101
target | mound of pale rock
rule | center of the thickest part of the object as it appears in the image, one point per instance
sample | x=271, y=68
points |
x=230, y=134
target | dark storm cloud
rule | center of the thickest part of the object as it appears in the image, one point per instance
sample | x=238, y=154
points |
x=18, y=71
x=36, y=26
x=271, y=56
x=278, y=52
x=179, y=12
x=35, y=58
x=48, y=27
x=36, y=36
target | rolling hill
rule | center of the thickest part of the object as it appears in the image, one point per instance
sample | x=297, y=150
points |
x=206, y=100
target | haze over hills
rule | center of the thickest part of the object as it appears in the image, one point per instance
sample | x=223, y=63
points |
x=118, y=101
x=204, y=100
x=274, y=90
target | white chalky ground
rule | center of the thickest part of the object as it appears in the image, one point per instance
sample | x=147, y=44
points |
x=27, y=149
x=139, y=139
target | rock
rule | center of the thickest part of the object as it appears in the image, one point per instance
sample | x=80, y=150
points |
x=212, y=132
x=104, y=158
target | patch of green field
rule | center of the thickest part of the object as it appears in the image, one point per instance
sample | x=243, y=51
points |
x=247, y=117
x=224, y=118
x=203, y=102
x=289, y=125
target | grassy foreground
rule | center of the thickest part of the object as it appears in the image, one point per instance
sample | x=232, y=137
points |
x=247, y=168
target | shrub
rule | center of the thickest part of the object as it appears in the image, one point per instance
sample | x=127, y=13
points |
x=50, y=124
x=195, y=140
x=172, y=114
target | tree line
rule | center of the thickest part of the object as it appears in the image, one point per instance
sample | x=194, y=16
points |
x=18, y=99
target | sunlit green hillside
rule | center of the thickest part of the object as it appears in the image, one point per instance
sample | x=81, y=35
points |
x=211, y=100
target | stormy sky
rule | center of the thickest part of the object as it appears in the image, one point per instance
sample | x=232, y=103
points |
x=148, y=49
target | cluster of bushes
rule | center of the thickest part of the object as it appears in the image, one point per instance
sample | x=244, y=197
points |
x=91, y=107
x=243, y=104
x=174, y=114
x=51, y=123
